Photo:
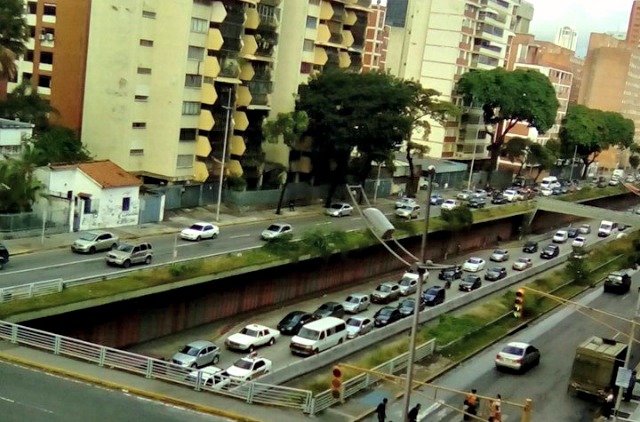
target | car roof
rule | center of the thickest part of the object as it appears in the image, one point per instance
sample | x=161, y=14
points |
x=200, y=343
x=388, y=283
x=99, y=232
x=359, y=318
x=202, y=223
x=358, y=295
x=256, y=327
x=518, y=344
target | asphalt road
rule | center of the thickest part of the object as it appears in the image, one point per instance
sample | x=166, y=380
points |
x=280, y=354
x=28, y=395
x=557, y=337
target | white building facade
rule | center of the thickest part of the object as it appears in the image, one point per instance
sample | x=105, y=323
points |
x=567, y=37
x=13, y=135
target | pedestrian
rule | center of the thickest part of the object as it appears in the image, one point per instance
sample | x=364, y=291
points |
x=381, y=410
x=413, y=413
x=495, y=409
x=292, y=206
x=470, y=405
x=609, y=403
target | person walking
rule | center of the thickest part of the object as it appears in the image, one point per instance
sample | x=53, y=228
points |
x=609, y=403
x=381, y=410
x=495, y=409
x=413, y=413
x=292, y=206
x=470, y=405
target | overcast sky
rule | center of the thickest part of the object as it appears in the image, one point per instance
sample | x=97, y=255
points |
x=585, y=15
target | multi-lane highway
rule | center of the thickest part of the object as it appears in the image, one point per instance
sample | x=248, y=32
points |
x=28, y=395
x=279, y=353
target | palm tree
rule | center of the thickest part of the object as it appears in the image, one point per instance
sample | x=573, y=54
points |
x=19, y=189
x=13, y=35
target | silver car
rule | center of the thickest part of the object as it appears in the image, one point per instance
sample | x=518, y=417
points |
x=276, y=230
x=356, y=303
x=197, y=354
x=339, y=209
x=130, y=253
x=92, y=242
x=408, y=284
x=358, y=326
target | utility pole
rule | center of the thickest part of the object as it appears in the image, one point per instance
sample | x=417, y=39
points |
x=224, y=153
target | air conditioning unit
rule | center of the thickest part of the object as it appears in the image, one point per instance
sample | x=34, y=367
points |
x=49, y=36
x=43, y=37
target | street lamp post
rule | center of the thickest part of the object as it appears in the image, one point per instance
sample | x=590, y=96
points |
x=224, y=153
x=375, y=193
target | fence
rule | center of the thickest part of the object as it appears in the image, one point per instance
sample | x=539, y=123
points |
x=30, y=223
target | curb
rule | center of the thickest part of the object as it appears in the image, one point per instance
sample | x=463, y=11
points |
x=135, y=391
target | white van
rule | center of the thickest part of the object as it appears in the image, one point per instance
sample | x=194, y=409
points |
x=319, y=335
x=549, y=182
x=606, y=228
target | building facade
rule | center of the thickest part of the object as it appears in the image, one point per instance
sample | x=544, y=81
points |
x=376, y=40
x=13, y=135
x=567, y=37
x=633, y=28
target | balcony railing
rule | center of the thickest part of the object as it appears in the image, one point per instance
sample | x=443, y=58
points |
x=229, y=67
x=336, y=38
x=268, y=22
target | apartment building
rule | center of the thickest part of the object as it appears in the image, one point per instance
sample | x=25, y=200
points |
x=567, y=37
x=440, y=41
x=633, y=27
x=577, y=69
x=376, y=40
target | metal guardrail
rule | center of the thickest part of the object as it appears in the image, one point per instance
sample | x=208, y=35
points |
x=26, y=291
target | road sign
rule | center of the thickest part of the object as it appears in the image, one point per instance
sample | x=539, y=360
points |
x=623, y=378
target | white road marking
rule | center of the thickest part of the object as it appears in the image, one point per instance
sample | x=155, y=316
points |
x=324, y=223
x=239, y=236
x=7, y=399
x=65, y=264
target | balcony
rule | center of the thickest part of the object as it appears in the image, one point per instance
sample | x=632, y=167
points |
x=229, y=66
x=268, y=22
x=364, y=5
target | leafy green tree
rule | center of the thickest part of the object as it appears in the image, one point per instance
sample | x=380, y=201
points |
x=13, y=36
x=577, y=267
x=19, y=189
x=290, y=127
x=634, y=161
x=456, y=220
x=543, y=157
x=59, y=145
x=517, y=150
x=508, y=98
x=25, y=104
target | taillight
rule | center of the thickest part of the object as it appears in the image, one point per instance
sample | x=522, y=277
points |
x=518, y=360
x=498, y=357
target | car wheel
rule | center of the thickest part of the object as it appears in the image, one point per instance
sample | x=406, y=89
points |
x=194, y=365
x=114, y=246
x=126, y=264
x=251, y=348
x=215, y=235
x=272, y=341
x=92, y=249
x=147, y=260
x=340, y=341
x=215, y=359
x=198, y=239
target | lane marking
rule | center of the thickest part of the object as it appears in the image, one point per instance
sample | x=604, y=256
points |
x=356, y=218
x=7, y=399
x=239, y=236
x=65, y=264
x=324, y=223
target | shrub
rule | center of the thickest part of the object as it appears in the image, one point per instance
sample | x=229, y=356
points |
x=282, y=245
x=236, y=183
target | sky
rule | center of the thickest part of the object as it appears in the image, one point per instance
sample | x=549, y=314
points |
x=585, y=16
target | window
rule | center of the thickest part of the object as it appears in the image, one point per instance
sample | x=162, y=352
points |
x=146, y=43
x=49, y=10
x=193, y=81
x=144, y=71
x=312, y=22
x=195, y=53
x=32, y=7
x=148, y=14
x=87, y=205
x=309, y=45
x=32, y=31
x=199, y=25
x=26, y=76
x=190, y=108
x=142, y=98
x=184, y=161
x=139, y=125
x=44, y=81
x=188, y=134
x=28, y=57
x=46, y=57
x=136, y=152
x=126, y=204
x=305, y=68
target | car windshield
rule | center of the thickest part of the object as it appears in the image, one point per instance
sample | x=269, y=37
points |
x=352, y=322
x=450, y=201
x=125, y=248
x=500, y=252
x=431, y=292
x=197, y=227
x=308, y=334
x=407, y=303
x=512, y=350
x=273, y=228
x=385, y=311
x=292, y=318
x=615, y=277
x=188, y=350
x=383, y=288
x=336, y=206
x=509, y=192
x=579, y=239
x=473, y=260
x=495, y=269
x=469, y=279
x=249, y=332
x=406, y=281
x=352, y=299
x=406, y=207
x=549, y=249
x=325, y=307
x=243, y=363
x=88, y=236
x=523, y=260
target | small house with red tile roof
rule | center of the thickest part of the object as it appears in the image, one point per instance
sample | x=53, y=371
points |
x=102, y=194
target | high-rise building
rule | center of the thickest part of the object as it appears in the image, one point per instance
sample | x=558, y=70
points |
x=633, y=28
x=397, y=13
x=443, y=39
x=567, y=37
x=376, y=40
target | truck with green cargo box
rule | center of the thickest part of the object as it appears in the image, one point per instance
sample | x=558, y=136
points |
x=595, y=366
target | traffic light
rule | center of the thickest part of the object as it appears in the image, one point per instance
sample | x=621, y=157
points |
x=518, y=304
x=336, y=382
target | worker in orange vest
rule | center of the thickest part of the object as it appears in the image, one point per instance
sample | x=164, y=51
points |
x=470, y=405
x=495, y=410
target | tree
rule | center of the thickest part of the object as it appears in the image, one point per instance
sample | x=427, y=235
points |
x=456, y=220
x=543, y=157
x=634, y=161
x=19, y=189
x=289, y=126
x=59, y=145
x=13, y=36
x=508, y=98
x=25, y=104
x=517, y=150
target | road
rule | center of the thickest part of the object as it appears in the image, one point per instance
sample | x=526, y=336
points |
x=29, y=395
x=279, y=353
x=557, y=337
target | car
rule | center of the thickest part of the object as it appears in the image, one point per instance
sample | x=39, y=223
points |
x=408, y=283
x=617, y=282
x=473, y=264
x=197, y=354
x=248, y=368
x=4, y=255
x=525, y=194
x=477, y=203
x=251, y=337
x=479, y=193
x=434, y=295
x=464, y=194
x=585, y=229
x=561, y=236
x=550, y=251
x=329, y=309
x=522, y=264
x=92, y=242
x=572, y=232
x=385, y=293
x=518, y=356
x=358, y=326
x=530, y=247
x=405, y=201
x=630, y=179
x=451, y=273
x=356, y=303
x=408, y=211
x=511, y=195
x=276, y=230
x=199, y=231
x=579, y=242
x=622, y=227
x=386, y=315
x=499, y=199
x=407, y=307
x=339, y=209
x=436, y=199
x=495, y=273
x=469, y=283
x=127, y=254
x=499, y=255
x=450, y=204
x=546, y=191
x=602, y=183
x=293, y=321
x=556, y=191
x=614, y=182
x=209, y=376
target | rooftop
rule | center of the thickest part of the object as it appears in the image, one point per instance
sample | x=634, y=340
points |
x=105, y=172
x=15, y=124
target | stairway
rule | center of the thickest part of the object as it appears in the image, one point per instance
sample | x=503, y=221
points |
x=586, y=211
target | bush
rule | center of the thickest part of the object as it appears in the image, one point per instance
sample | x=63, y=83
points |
x=282, y=245
x=185, y=269
x=317, y=242
x=236, y=183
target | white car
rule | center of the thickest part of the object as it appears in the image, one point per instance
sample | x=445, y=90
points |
x=405, y=201
x=579, y=242
x=339, y=209
x=251, y=337
x=584, y=229
x=546, y=192
x=464, y=194
x=480, y=193
x=522, y=264
x=499, y=255
x=450, y=204
x=510, y=195
x=199, y=231
x=210, y=376
x=561, y=236
x=276, y=230
x=248, y=368
x=474, y=264
x=408, y=211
